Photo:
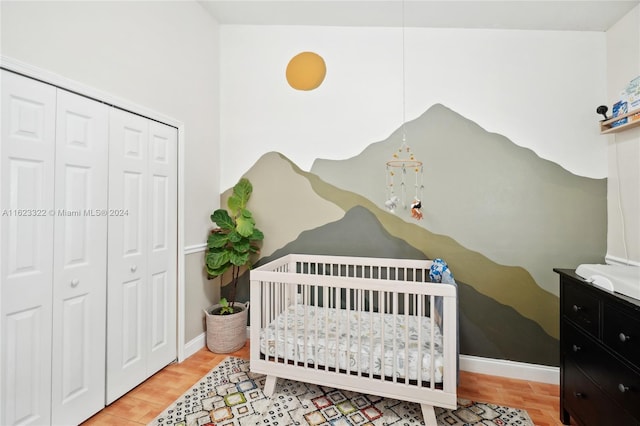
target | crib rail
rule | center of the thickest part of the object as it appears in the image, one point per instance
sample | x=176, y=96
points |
x=313, y=299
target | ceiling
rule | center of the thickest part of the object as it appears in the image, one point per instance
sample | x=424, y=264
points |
x=562, y=15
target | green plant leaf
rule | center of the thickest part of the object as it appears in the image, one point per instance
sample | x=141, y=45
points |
x=244, y=226
x=242, y=246
x=257, y=235
x=241, y=191
x=217, y=259
x=217, y=240
x=226, y=310
x=223, y=220
x=235, y=204
x=234, y=237
x=219, y=271
x=239, y=259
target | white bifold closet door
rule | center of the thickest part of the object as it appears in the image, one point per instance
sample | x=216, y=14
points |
x=88, y=251
x=79, y=259
x=26, y=234
x=53, y=269
x=141, y=306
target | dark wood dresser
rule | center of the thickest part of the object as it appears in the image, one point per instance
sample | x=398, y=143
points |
x=599, y=354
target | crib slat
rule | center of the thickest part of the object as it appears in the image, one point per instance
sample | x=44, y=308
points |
x=420, y=315
x=338, y=293
x=406, y=337
x=348, y=313
x=371, y=340
x=360, y=311
x=275, y=310
x=296, y=348
x=394, y=311
x=325, y=305
x=432, y=314
x=305, y=326
x=316, y=354
x=381, y=297
x=269, y=296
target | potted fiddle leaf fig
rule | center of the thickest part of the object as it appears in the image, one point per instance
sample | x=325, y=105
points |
x=231, y=247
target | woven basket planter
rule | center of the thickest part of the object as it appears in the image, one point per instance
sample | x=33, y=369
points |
x=227, y=333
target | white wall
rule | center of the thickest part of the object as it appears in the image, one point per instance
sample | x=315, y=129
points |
x=160, y=55
x=538, y=88
x=623, y=192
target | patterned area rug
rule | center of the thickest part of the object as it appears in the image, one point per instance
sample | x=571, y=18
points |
x=231, y=395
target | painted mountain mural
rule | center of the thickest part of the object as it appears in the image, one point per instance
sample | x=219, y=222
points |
x=500, y=216
x=489, y=194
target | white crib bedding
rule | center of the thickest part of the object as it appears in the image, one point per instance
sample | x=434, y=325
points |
x=363, y=333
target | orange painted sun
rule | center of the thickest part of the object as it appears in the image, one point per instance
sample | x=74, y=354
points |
x=306, y=71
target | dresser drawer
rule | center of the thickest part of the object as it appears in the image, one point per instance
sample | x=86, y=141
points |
x=588, y=404
x=580, y=306
x=581, y=349
x=580, y=395
x=612, y=376
x=621, y=333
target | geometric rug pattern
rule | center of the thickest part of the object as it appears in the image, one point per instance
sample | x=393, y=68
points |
x=230, y=394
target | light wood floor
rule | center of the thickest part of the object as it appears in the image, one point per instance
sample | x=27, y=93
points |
x=145, y=402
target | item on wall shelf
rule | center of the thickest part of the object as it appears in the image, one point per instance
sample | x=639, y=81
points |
x=620, y=108
x=626, y=111
x=632, y=117
x=602, y=109
x=306, y=71
x=631, y=94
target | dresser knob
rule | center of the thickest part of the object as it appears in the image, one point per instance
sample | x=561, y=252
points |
x=75, y=282
x=622, y=388
x=578, y=395
x=134, y=268
x=576, y=308
x=576, y=348
x=623, y=338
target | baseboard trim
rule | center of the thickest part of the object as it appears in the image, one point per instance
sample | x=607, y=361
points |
x=195, y=344
x=199, y=342
x=510, y=369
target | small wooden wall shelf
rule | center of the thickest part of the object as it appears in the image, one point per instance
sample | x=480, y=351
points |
x=605, y=125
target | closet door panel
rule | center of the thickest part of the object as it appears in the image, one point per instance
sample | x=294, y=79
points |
x=127, y=287
x=26, y=248
x=163, y=141
x=80, y=258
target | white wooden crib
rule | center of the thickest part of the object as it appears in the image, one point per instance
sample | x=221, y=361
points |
x=351, y=322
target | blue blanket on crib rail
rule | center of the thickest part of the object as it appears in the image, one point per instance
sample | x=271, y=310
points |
x=440, y=273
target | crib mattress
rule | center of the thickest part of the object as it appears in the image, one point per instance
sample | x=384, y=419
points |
x=338, y=338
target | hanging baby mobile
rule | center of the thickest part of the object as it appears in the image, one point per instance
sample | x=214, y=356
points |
x=402, y=171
